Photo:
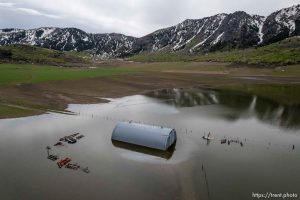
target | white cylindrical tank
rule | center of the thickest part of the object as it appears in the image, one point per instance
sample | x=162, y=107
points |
x=156, y=137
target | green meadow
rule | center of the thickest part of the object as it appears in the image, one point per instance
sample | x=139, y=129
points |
x=285, y=52
x=27, y=73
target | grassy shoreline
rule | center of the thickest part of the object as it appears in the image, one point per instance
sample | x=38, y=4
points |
x=44, y=88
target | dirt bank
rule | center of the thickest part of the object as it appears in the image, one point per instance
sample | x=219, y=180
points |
x=56, y=95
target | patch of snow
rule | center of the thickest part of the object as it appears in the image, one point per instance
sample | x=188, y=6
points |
x=287, y=17
x=199, y=30
x=85, y=39
x=154, y=47
x=73, y=40
x=220, y=18
x=178, y=45
x=30, y=37
x=260, y=30
x=47, y=32
x=218, y=39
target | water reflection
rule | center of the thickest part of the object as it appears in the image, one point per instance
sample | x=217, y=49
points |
x=145, y=150
x=190, y=170
x=185, y=98
x=241, y=105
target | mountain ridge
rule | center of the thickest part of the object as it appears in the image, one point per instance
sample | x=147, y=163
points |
x=223, y=31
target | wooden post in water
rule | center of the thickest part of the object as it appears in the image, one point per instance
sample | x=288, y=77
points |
x=48, y=148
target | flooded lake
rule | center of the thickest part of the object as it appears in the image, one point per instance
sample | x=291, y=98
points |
x=258, y=158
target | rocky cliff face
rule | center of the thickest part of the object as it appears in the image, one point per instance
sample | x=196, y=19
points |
x=222, y=31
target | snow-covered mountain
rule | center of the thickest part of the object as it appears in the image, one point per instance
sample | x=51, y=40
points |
x=70, y=39
x=221, y=31
x=281, y=24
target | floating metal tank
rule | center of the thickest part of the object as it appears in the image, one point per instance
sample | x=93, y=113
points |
x=156, y=137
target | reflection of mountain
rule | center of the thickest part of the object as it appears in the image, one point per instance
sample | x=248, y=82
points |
x=240, y=105
x=185, y=98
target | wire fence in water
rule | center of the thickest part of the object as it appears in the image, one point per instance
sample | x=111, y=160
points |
x=187, y=132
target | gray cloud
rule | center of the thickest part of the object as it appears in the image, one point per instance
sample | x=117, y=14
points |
x=7, y=5
x=131, y=17
x=37, y=13
x=13, y=7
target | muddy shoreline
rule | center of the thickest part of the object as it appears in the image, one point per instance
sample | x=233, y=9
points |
x=38, y=98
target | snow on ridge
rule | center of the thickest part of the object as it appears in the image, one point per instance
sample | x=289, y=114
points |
x=260, y=30
x=221, y=18
x=30, y=37
x=286, y=17
x=180, y=39
x=218, y=39
x=47, y=32
x=199, y=30
x=257, y=20
x=73, y=40
x=178, y=45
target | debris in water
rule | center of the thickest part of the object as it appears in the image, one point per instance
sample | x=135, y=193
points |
x=293, y=146
x=235, y=141
x=59, y=144
x=72, y=166
x=52, y=157
x=79, y=137
x=223, y=141
x=63, y=162
x=66, y=161
x=74, y=135
x=207, y=137
x=86, y=170
x=70, y=140
x=48, y=149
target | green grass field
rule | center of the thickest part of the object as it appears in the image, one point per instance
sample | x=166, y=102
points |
x=14, y=112
x=183, y=68
x=26, y=73
x=285, y=52
x=12, y=74
x=33, y=54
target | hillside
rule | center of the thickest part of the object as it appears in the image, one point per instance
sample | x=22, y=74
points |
x=31, y=54
x=283, y=52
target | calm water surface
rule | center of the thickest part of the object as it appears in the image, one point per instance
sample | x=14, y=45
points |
x=260, y=157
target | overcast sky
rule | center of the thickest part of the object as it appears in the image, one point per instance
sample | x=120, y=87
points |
x=131, y=17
